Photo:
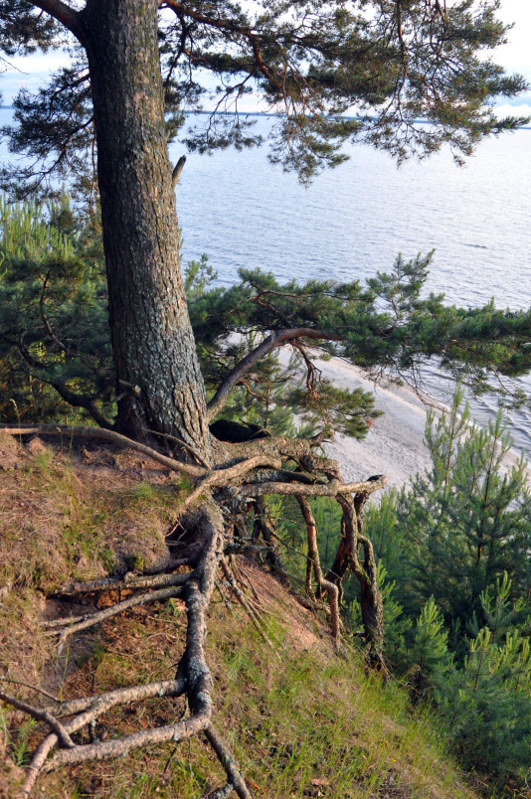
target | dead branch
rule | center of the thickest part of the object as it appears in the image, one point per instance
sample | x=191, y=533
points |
x=48, y=695
x=40, y=715
x=177, y=169
x=130, y=581
x=73, y=625
x=111, y=435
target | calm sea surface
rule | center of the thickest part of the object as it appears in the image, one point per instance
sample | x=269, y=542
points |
x=354, y=220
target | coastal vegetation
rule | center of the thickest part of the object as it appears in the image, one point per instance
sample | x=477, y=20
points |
x=186, y=375
x=453, y=556
x=302, y=721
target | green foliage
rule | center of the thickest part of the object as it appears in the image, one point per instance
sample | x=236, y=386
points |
x=456, y=546
x=394, y=63
x=470, y=519
x=198, y=275
x=488, y=702
x=388, y=324
x=264, y=396
x=22, y=747
x=429, y=652
x=460, y=526
x=24, y=29
x=53, y=329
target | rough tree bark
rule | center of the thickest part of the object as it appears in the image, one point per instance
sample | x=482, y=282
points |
x=158, y=375
x=161, y=390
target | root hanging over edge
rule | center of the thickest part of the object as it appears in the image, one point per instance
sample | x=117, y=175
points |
x=192, y=679
x=217, y=496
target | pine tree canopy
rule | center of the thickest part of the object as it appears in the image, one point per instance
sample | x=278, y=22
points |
x=333, y=71
x=156, y=355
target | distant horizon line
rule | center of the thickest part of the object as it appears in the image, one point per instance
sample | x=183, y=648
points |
x=270, y=114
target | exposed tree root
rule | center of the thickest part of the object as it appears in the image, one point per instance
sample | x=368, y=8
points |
x=68, y=626
x=314, y=563
x=193, y=679
x=109, y=435
x=220, y=793
x=228, y=762
x=225, y=511
x=128, y=581
x=76, y=623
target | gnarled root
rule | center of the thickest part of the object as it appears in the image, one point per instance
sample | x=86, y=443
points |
x=198, y=539
x=193, y=678
x=314, y=563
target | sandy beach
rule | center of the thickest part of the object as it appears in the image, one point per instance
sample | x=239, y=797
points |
x=394, y=446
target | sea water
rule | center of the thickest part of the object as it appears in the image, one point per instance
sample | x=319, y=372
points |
x=354, y=220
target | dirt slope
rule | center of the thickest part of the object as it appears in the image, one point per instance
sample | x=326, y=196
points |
x=302, y=721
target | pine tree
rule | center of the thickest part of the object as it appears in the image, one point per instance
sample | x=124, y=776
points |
x=428, y=654
x=138, y=67
x=467, y=521
x=457, y=549
x=488, y=701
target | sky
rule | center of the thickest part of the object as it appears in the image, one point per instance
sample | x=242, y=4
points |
x=515, y=56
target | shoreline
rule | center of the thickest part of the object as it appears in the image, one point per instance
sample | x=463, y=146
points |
x=394, y=445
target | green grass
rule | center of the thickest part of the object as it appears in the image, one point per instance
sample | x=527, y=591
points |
x=301, y=721
x=307, y=723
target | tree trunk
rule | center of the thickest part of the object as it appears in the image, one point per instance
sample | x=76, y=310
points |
x=157, y=370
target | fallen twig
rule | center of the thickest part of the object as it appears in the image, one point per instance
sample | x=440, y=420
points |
x=40, y=715
x=129, y=581
x=75, y=624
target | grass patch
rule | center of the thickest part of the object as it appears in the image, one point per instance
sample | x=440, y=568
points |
x=301, y=721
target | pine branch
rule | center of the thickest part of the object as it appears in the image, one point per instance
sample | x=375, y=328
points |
x=269, y=344
x=64, y=14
